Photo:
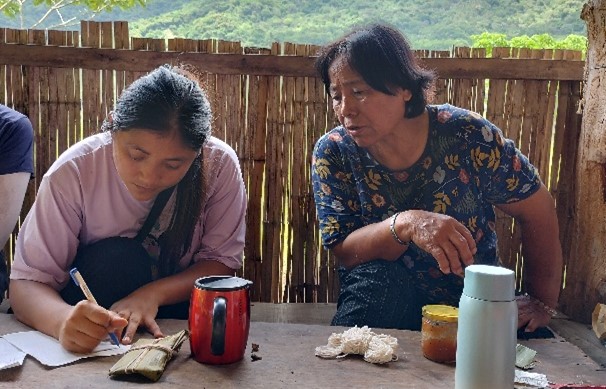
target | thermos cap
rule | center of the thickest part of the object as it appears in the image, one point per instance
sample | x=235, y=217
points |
x=221, y=283
x=490, y=283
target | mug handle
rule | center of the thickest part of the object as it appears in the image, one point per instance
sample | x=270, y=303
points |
x=217, y=342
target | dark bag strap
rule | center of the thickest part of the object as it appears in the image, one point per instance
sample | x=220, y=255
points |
x=154, y=213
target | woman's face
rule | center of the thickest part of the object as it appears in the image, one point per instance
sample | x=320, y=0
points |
x=149, y=162
x=368, y=115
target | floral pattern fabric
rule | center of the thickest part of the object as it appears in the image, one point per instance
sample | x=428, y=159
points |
x=467, y=167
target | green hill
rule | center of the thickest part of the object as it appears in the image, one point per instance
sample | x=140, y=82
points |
x=429, y=24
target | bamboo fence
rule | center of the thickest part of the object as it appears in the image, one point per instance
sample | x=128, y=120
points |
x=271, y=108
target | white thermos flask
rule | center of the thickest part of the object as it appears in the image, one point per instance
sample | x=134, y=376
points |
x=487, y=329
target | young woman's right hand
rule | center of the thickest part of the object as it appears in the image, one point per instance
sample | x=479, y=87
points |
x=87, y=325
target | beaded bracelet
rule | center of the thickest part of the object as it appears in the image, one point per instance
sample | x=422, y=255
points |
x=551, y=311
x=392, y=228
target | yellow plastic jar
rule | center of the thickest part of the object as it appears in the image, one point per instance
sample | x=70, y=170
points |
x=439, y=333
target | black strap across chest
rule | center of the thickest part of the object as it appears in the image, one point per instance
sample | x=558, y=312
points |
x=154, y=213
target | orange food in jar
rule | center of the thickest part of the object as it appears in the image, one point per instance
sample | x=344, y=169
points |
x=439, y=333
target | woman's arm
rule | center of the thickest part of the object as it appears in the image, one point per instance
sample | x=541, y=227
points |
x=12, y=191
x=447, y=240
x=78, y=328
x=542, y=253
x=368, y=243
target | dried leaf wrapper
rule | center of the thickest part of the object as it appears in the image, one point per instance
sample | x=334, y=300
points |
x=148, y=357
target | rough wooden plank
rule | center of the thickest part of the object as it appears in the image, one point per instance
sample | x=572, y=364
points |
x=299, y=181
x=323, y=119
x=57, y=124
x=92, y=80
x=273, y=186
x=479, y=86
x=255, y=212
x=11, y=37
x=566, y=141
x=286, y=264
x=528, y=89
x=498, y=111
x=442, y=82
x=549, y=123
x=107, y=76
x=461, y=88
x=121, y=41
x=274, y=189
x=583, y=337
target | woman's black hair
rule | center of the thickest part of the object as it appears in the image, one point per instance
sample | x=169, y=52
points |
x=384, y=59
x=165, y=100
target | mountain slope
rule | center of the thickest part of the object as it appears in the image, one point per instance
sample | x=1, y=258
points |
x=429, y=24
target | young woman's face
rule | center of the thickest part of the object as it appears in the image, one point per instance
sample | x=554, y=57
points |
x=368, y=115
x=148, y=162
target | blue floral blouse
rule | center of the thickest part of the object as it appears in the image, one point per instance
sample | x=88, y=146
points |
x=467, y=166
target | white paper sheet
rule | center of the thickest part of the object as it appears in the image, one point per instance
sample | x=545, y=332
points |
x=10, y=356
x=49, y=351
x=525, y=379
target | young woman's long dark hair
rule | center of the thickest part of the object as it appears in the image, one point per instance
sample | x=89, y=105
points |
x=165, y=100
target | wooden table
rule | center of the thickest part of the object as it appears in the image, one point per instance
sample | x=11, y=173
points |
x=287, y=352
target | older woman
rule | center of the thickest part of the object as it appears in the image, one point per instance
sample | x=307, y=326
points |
x=405, y=191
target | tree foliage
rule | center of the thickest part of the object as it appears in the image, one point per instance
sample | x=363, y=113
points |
x=61, y=13
x=537, y=41
x=428, y=24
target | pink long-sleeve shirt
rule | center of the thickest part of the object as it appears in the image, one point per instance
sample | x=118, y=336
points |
x=82, y=199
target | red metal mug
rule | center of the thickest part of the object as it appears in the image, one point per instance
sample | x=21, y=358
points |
x=219, y=319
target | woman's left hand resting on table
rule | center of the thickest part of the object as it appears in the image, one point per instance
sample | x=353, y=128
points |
x=141, y=307
x=532, y=314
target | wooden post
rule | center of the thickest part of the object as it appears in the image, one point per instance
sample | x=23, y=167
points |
x=586, y=265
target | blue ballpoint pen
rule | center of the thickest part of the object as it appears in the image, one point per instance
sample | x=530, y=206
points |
x=79, y=281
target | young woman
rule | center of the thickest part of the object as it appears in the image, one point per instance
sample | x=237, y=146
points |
x=405, y=191
x=91, y=211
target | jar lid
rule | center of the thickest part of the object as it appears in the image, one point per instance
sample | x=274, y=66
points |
x=441, y=313
x=490, y=283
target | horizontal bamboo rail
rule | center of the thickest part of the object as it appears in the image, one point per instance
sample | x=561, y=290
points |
x=272, y=65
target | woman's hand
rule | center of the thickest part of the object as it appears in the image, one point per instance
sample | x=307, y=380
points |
x=140, y=309
x=532, y=314
x=446, y=239
x=87, y=325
